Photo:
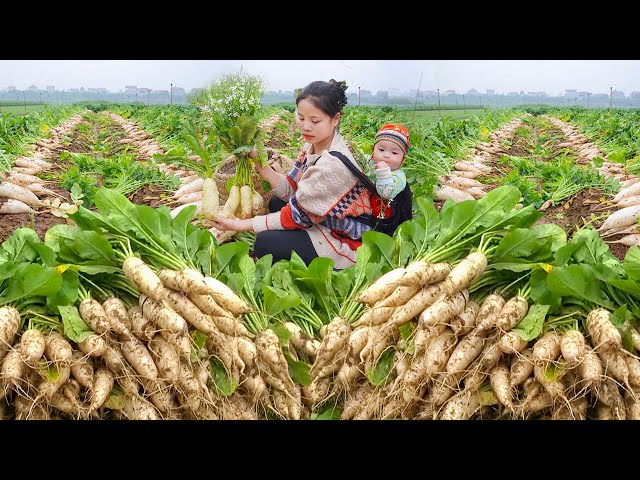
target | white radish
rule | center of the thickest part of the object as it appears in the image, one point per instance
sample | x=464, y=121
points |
x=622, y=218
x=629, y=202
x=189, y=198
x=21, y=179
x=629, y=191
x=194, y=186
x=9, y=190
x=232, y=203
x=257, y=202
x=177, y=210
x=629, y=240
x=246, y=201
x=210, y=199
x=447, y=192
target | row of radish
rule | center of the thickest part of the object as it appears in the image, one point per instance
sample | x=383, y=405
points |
x=461, y=183
x=583, y=146
x=20, y=189
x=144, y=144
x=150, y=353
x=463, y=361
x=623, y=219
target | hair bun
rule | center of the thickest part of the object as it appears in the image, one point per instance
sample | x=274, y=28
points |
x=342, y=84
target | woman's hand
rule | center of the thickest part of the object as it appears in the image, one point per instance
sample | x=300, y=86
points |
x=234, y=224
x=253, y=153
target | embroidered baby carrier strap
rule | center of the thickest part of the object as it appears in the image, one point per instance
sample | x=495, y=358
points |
x=387, y=215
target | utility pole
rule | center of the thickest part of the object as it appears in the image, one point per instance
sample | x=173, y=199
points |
x=439, y=112
x=464, y=104
x=588, y=94
x=415, y=106
x=358, y=95
x=148, y=95
x=610, y=96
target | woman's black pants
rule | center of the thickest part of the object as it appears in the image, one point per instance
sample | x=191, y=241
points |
x=280, y=243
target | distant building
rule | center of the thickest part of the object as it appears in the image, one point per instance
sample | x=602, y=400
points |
x=570, y=93
x=617, y=94
x=32, y=88
x=450, y=92
x=490, y=91
x=50, y=88
x=634, y=95
x=130, y=89
x=473, y=91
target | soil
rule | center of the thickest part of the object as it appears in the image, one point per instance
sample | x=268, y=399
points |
x=43, y=221
x=280, y=139
x=151, y=195
x=577, y=211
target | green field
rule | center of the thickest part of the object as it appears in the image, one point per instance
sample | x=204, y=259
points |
x=428, y=117
x=21, y=109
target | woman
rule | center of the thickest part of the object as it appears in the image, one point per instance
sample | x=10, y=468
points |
x=315, y=207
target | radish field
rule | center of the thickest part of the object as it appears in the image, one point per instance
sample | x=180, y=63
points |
x=512, y=294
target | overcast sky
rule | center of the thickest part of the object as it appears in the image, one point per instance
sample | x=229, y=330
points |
x=551, y=76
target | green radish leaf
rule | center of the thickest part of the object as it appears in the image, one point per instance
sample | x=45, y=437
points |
x=68, y=292
x=406, y=330
x=263, y=265
x=94, y=246
x=47, y=255
x=227, y=252
x=553, y=371
x=156, y=223
x=277, y=301
x=404, y=236
x=363, y=257
x=32, y=280
x=521, y=242
x=541, y=294
x=619, y=316
x=617, y=156
x=179, y=227
x=282, y=332
x=429, y=222
x=384, y=244
x=223, y=384
x=342, y=281
x=17, y=248
x=380, y=374
x=331, y=413
x=577, y=281
x=49, y=371
x=60, y=234
x=298, y=371
x=486, y=398
x=7, y=270
x=93, y=269
x=631, y=263
x=551, y=232
x=592, y=249
x=74, y=327
x=198, y=339
x=530, y=327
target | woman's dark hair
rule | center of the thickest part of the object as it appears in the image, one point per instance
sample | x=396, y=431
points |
x=328, y=96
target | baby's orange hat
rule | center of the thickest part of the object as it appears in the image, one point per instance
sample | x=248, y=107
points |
x=396, y=133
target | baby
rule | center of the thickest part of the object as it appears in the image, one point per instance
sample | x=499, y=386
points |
x=391, y=145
